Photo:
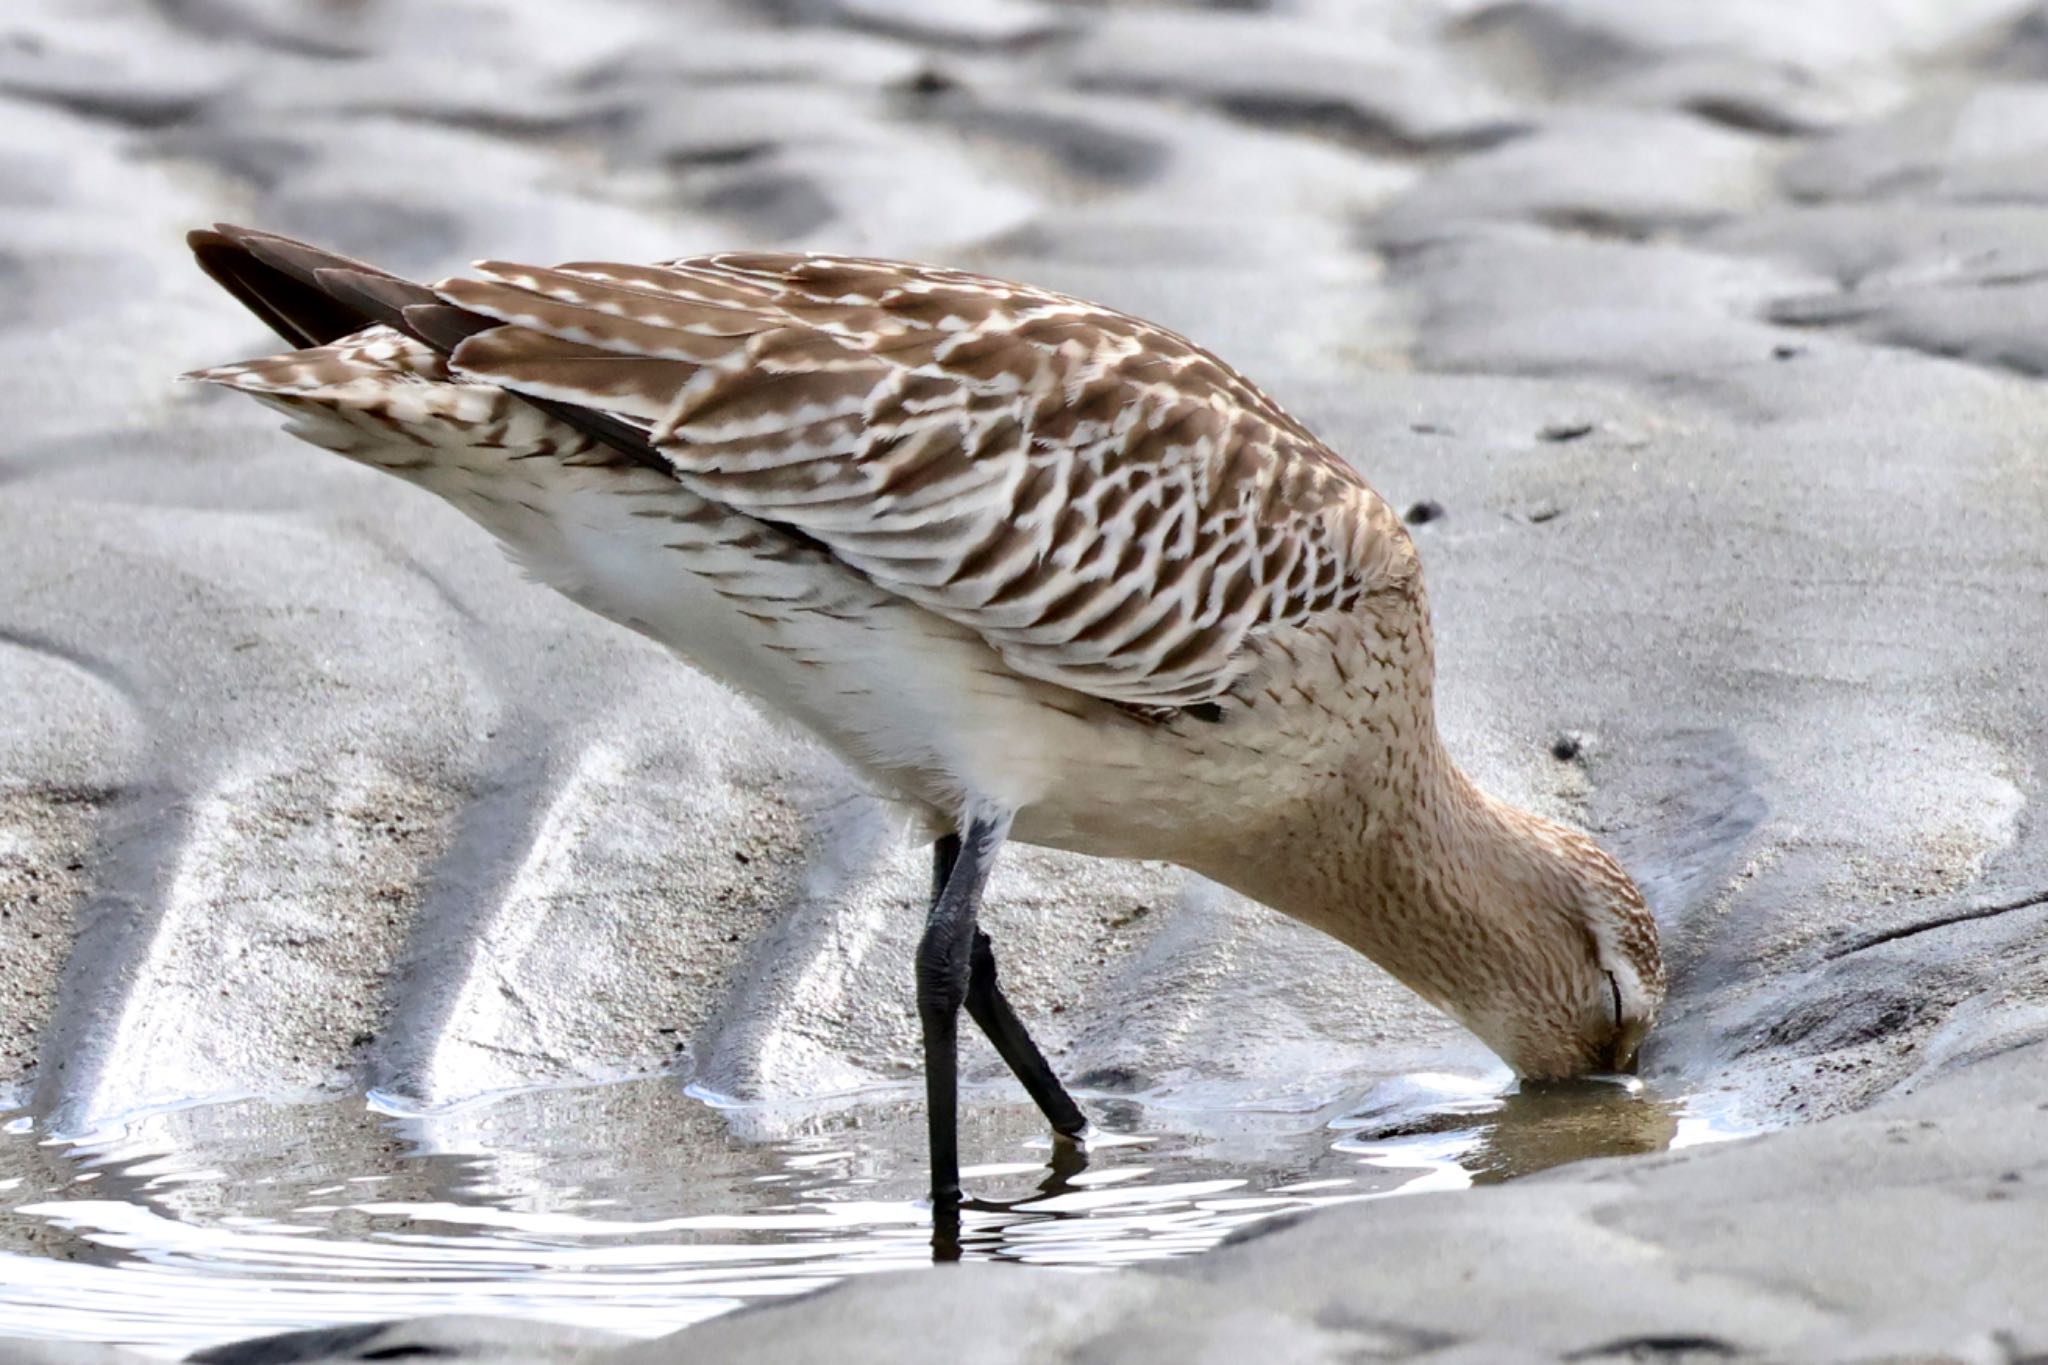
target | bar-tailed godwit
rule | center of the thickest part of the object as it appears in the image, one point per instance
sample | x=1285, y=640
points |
x=1037, y=568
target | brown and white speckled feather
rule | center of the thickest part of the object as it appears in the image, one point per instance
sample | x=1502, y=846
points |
x=1001, y=549
x=1108, y=505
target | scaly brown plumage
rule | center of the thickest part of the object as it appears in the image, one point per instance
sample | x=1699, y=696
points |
x=1035, y=566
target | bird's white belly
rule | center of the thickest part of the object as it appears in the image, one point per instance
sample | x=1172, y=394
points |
x=922, y=706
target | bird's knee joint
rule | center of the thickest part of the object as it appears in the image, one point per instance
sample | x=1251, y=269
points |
x=942, y=974
x=940, y=997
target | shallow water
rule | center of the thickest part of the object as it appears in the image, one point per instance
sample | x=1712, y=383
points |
x=638, y=1208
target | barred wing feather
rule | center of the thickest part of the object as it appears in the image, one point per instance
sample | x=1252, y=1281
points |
x=1111, y=507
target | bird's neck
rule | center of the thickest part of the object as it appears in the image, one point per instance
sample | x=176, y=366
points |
x=1417, y=868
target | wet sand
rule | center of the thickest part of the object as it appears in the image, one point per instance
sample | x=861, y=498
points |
x=1714, y=334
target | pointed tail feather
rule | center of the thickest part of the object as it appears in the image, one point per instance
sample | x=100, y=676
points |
x=299, y=312
x=312, y=297
x=307, y=295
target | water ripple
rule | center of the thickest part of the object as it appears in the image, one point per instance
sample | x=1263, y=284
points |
x=636, y=1208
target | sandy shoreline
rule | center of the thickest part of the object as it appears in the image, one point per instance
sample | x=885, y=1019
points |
x=1717, y=334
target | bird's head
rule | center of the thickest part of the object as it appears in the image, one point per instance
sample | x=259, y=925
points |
x=1574, y=977
x=1522, y=929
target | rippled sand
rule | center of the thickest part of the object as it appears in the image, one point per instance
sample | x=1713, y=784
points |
x=1712, y=336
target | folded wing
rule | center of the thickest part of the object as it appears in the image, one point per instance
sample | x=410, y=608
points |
x=1114, y=509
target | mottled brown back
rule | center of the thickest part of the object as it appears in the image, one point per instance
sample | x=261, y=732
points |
x=1112, y=507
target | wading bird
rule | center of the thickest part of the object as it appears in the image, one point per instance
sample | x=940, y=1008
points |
x=1039, y=569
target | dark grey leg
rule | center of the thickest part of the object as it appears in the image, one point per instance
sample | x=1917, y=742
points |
x=944, y=963
x=991, y=1010
x=985, y=1002
x=945, y=853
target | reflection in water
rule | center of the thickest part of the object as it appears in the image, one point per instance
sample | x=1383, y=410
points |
x=636, y=1208
x=1492, y=1135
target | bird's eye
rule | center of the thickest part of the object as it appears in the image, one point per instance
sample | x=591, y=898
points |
x=1614, y=987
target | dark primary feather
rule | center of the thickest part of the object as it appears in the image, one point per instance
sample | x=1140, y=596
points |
x=310, y=297
x=300, y=312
